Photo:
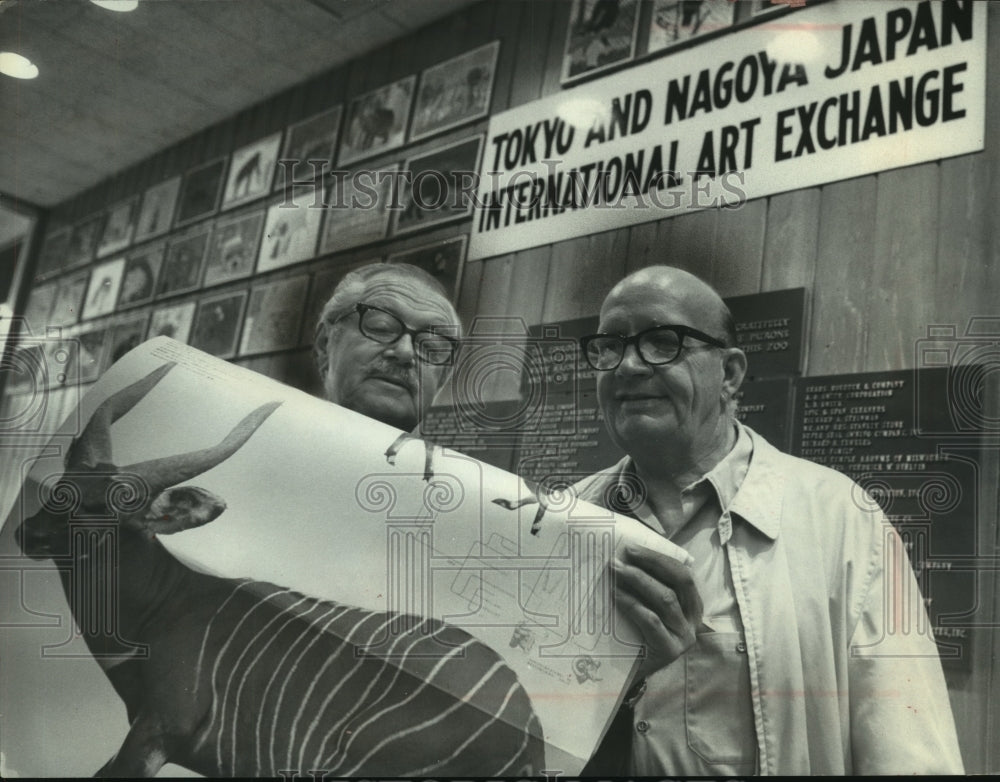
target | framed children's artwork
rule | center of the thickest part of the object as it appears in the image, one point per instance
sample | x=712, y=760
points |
x=217, y=323
x=435, y=187
x=102, y=293
x=601, y=34
x=323, y=283
x=376, y=121
x=83, y=241
x=142, y=270
x=274, y=315
x=200, y=191
x=251, y=171
x=312, y=139
x=39, y=307
x=91, y=347
x=183, y=263
x=233, y=249
x=157, y=211
x=53, y=256
x=674, y=21
x=69, y=299
x=455, y=91
x=173, y=321
x=443, y=260
x=127, y=332
x=119, y=227
x=291, y=230
x=357, y=208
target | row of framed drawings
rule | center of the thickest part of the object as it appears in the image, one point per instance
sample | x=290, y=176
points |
x=265, y=317
x=605, y=33
x=450, y=94
x=354, y=210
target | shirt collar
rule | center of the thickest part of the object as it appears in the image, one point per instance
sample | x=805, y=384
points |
x=727, y=476
x=761, y=494
x=746, y=482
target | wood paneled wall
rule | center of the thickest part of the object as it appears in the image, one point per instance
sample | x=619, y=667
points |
x=882, y=256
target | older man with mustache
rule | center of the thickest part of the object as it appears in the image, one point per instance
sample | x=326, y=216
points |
x=386, y=341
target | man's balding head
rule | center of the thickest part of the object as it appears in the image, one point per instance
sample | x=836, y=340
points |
x=697, y=294
x=680, y=411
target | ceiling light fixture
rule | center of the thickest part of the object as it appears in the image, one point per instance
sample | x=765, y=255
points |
x=17, y=66
x=117, y=5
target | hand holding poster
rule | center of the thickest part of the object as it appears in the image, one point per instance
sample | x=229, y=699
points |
x=412, y=611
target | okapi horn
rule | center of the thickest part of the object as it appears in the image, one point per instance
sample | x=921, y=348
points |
x=161, y=474
x=93, y=446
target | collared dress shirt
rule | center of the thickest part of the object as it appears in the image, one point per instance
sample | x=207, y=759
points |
x=816, y=656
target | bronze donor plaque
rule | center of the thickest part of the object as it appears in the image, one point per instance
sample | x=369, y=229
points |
x=488, y=431
x=770, y=328
x=765, y=406
x=869, y=426
x=570, y=444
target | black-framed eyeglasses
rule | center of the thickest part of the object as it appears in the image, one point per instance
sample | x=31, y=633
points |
x=385, y=328
x=657, y=345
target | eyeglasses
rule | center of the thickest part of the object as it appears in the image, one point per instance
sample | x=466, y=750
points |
x=658, y=345
x=385, y=328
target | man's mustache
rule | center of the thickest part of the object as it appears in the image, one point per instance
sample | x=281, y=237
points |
x=395, y=373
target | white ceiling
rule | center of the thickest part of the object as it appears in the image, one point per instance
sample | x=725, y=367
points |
x=115, y=88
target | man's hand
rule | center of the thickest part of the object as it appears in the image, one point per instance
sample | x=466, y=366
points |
x=658, y=594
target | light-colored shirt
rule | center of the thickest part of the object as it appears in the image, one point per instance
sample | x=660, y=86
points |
x=816, y=674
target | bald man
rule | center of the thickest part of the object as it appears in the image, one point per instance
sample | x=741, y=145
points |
x=797, y=668
x=386, y=341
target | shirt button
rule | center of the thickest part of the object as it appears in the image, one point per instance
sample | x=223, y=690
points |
x=642, y=726
x=741, y=647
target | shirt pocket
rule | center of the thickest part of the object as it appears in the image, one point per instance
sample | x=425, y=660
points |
x=718, y=712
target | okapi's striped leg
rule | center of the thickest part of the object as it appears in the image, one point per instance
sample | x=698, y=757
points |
x=142, y=754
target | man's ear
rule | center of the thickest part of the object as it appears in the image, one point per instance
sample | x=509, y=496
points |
x=735, y=368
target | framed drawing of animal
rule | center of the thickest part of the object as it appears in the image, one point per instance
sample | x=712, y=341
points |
x=252, y=171
x=455, y=91
x=312, y=139
x=376, y=121
x=233, y=249
x=601, y=35
x=200, y=190
x=432, y=191
x=156, y=214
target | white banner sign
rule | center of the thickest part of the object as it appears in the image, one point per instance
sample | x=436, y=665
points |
x=823, y=94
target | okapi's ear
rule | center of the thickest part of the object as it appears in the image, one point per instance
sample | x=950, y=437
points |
x=181, y=508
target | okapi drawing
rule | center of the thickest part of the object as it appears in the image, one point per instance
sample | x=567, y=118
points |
x=234, y=677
